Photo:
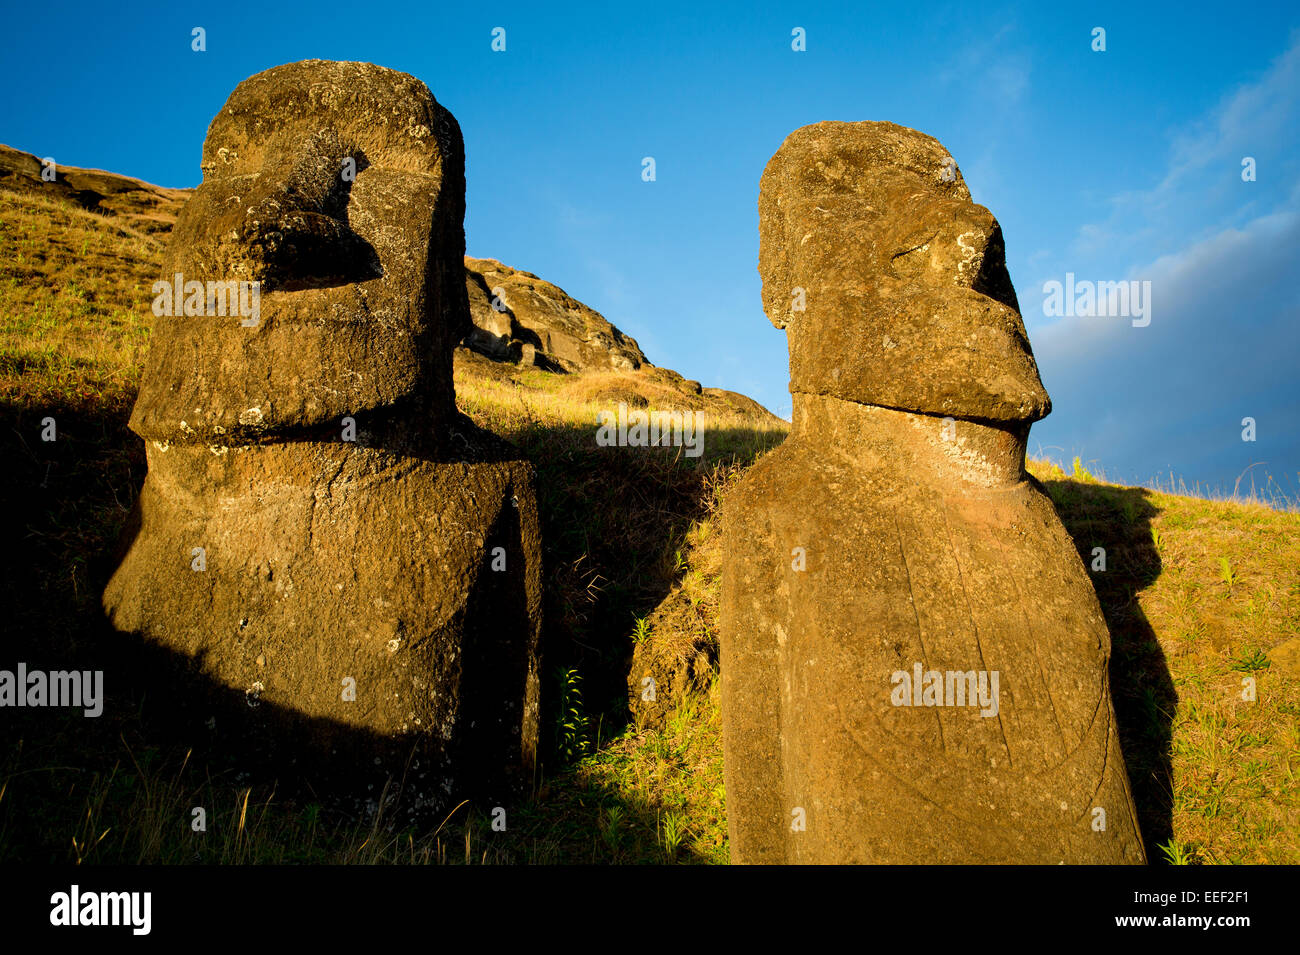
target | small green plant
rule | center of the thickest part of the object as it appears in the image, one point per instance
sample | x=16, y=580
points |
x=671, y=833
x=611, y=827
x=1177, y=853
x=1081, y=473
x=1226, y=573
x=1251, y=660
x=574, y=730
x=641, y=630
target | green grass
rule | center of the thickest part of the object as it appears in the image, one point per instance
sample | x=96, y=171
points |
x=1203, y=590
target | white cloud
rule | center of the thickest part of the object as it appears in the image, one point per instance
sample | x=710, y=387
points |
x=1246, y=121
x=1203, y=170
x=1223, y=343
x=1192, y=292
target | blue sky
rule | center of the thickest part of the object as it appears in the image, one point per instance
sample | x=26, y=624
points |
x=1123, y=164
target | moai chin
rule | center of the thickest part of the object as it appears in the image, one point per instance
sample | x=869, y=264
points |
x=370, y=560
x=895, y=535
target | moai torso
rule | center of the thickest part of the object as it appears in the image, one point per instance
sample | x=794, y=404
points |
x=877, y=539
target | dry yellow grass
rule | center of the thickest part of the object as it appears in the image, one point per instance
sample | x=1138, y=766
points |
x=74, y=302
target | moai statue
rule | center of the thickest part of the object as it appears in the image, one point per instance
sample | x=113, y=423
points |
x=914, y=662
x=319, y=527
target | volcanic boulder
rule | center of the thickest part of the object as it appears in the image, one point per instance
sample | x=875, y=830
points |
x=512, y=309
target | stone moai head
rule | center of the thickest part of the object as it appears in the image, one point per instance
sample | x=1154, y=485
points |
x=332, y=208
x=890, y=282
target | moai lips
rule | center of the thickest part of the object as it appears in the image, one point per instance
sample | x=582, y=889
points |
x=371, y=559
x=914, y=663
x=339, y=187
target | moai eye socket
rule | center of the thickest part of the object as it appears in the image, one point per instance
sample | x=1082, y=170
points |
x=296, y=233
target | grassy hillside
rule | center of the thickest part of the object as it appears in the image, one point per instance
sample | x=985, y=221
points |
x=1198, y=595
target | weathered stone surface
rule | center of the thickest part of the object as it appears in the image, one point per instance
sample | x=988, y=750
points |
x=362, y=295
x=326, y=561
x=902, y=275
x=511, y=308
x=357, y=530
x=878, y=538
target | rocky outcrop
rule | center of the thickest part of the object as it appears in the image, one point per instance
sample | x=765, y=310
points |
x=319, y=527
x=513, y=310
x=914, y=662
x=515, y=316
x=139, y=205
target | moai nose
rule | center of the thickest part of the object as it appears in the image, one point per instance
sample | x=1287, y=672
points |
x=294, y=231
x=304, y=176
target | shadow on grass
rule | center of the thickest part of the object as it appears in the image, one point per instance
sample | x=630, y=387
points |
x=609, y=517
x=612, y=519
x=1118, y=519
